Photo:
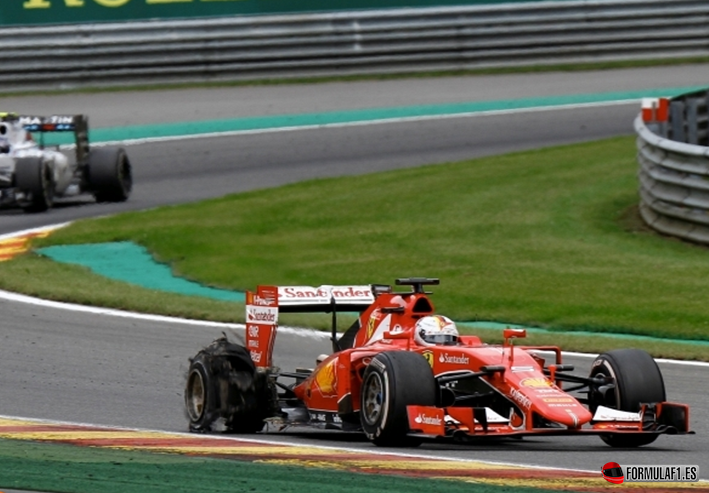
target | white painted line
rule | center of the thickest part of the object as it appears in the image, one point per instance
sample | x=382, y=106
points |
x=40, y=229
x=407, y=119
x=703, y=364
x=21, y=298
x=298, y=444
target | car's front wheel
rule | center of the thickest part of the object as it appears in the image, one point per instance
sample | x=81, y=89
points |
x=636, y=380
x=391, y=382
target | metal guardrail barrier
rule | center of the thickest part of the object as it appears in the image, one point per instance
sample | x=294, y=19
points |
x=361, y=42
x=674, y=168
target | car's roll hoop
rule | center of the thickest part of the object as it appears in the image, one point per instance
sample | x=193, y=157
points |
x=418, y=283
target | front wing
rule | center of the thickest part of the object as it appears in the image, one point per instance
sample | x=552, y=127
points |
x=473, y=423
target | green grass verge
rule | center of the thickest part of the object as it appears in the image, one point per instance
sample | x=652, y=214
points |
x=547, y=238
x=568, y=67
x=70, y=469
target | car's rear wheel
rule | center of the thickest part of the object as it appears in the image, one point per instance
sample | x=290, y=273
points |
x=34, y=177
x=200, y=395
x=391, y=382
x=109, y=173
x=637, y=380
x=224, y=386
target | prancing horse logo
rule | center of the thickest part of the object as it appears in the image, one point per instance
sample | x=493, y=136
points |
x=429, y=357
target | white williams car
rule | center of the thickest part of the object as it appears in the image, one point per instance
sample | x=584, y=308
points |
x=32, y=175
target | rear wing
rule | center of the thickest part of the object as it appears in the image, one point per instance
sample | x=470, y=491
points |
x=324, y=299
x=264, y=305
x=79, y=124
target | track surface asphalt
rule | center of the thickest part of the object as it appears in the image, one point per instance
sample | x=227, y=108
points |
x=82, y=367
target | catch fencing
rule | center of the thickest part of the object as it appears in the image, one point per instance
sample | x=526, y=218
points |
x=346, y=43
x=674, y=169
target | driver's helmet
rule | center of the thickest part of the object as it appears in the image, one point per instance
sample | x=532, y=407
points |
x=436, y=330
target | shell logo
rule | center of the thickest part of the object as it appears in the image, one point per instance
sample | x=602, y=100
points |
x=535, y=383
x=326, y=378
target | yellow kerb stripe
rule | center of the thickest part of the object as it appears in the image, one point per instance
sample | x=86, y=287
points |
x=227, y=450
x=404, y=465
x=79, y=435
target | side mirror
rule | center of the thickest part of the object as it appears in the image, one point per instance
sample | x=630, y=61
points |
x=513, y=334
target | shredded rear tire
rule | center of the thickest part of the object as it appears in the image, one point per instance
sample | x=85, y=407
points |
x=223, y=386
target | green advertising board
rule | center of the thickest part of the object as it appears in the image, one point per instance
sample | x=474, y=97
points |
x=37, y=12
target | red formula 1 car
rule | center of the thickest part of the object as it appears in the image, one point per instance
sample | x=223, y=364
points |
x=398, y=379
